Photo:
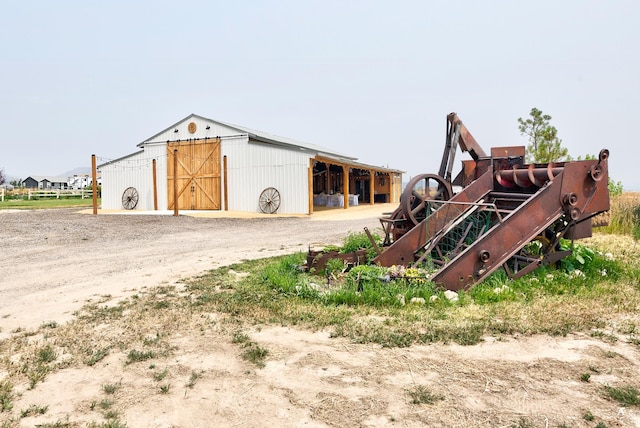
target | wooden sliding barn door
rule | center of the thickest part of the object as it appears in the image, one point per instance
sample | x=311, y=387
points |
x=198, y=174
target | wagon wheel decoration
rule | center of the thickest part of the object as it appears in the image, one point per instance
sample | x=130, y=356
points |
x=269, y=200
x=422, y=195
x=130, y=198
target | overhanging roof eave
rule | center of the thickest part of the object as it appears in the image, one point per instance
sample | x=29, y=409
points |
x=353, y=164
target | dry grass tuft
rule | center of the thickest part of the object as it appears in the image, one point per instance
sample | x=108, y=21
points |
x=624, y=216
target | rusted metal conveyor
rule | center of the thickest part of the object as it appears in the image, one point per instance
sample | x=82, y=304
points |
x=506, y=214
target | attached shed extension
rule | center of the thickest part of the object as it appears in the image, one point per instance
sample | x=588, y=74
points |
x=368, y=183
x=212, y=165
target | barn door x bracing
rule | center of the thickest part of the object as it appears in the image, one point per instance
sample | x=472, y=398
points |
x=198, y=174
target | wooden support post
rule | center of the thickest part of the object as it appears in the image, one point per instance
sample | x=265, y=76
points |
x=310, y=178
x=396, y=186
x=155, y=186
x=372, y=186
x=226, y=183
x=94, y=184
x=345, y=185
x=175, y=182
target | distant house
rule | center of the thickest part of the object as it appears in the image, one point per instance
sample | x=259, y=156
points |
x=80, y=181
x=45, y=182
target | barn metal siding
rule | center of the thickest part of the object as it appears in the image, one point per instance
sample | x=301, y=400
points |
x=252, y=167
x=136, y=171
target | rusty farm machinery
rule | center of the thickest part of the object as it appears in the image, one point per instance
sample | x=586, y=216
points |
x=504, y=213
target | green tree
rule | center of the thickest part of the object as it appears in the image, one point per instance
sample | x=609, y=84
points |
x=3, y=178
x=544, y=144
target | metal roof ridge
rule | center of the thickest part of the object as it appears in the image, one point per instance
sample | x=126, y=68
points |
x=256, y=134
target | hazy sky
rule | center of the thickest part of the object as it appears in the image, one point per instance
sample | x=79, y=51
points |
x=373, y=79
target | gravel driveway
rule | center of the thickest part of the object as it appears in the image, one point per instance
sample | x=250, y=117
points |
x=57, y=260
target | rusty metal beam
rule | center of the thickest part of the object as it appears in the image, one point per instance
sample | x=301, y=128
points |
x=466, y=140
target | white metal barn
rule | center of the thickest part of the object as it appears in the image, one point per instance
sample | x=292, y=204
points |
x=210, y=165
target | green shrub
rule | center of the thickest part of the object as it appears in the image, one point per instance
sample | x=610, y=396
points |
x=593, y=264
x=615, y=187
x=357, y=241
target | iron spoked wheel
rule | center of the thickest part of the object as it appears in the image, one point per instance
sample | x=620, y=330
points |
x=269, y=200
x=129, y=198
x=420, y=197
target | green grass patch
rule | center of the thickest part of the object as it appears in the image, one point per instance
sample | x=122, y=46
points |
x=97, y=356
x=626, y=395
x=255, y=354
x=47, y=203
x=111, y=423
x=46, y=354
x=105, y=404
x=135, y=356
x=252, y=351
x=159, y=376
x=193, y=378
x=6, y=396
x=37, y=362
x=523, y=423
x=398, y=307
x=240, y=337
x=110, y=388
x=420, y=394
x=33, y=410
x=57, y=424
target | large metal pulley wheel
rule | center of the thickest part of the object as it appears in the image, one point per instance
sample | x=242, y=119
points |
x=130, y=198
x=269, y=200
x=423, y=195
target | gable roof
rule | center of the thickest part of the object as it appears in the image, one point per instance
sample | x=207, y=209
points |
x=49, y=178
x=260, y=137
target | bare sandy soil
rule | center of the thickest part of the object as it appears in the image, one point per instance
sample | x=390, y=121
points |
x=54, y=261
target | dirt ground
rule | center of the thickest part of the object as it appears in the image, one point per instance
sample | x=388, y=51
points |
x=54, y=261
